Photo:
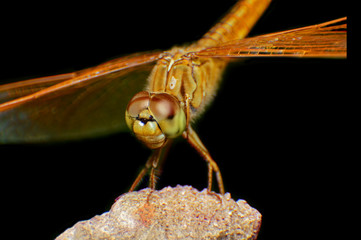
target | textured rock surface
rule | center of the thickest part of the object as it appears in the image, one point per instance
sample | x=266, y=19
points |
x=171, y=213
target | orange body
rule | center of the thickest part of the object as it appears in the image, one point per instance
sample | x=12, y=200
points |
x=183, y=74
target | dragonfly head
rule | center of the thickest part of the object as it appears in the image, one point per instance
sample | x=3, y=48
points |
x=154, y=117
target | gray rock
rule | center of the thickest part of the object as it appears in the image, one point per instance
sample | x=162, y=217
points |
x=171, y=213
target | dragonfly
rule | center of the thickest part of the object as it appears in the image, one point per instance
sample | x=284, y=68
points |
x=155, y=94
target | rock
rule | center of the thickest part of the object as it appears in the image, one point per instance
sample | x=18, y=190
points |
x=171, y=213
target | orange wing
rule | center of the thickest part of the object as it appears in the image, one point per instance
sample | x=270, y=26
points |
x=86, y=103
x=322, y=40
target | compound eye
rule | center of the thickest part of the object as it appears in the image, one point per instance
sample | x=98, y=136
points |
x=164, y=106
x=168, y=113
x=138, y=103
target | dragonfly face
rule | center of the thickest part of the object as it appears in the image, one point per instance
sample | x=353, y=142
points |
x=154, y=117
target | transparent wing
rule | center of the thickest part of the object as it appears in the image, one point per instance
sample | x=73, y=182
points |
x=16, y=90
x=86, y=103
x=322, y=40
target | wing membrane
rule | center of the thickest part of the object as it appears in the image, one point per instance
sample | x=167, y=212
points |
x=16, y=90
x=322, y=40
x=83, y=104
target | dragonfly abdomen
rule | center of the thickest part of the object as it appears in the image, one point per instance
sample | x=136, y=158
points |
x=236, y=24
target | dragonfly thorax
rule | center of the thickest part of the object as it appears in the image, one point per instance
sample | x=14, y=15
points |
x=192, y=80
x=154, y=117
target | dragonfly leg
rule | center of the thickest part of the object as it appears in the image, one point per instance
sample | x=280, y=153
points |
x=151, y=164
x=188, y=109
x=152, y=177
x=194, y=140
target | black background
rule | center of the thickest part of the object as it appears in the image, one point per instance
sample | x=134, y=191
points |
x=273, y=128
